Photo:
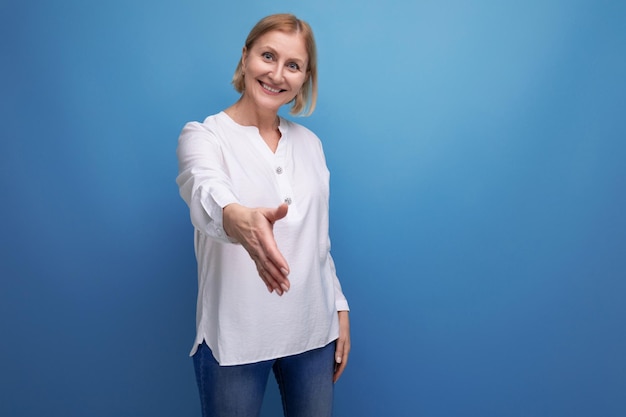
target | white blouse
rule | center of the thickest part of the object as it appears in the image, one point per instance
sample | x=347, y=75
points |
x=222, y=162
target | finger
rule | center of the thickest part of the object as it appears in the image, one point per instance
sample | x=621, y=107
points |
x=273, y=254
x=261, y=252
x=267, y=283
x=278, y=281
x=339, y=368
x=267, y=241
x=275, y=214
x=268, y=272
x=268, y=278
x=277, y=273
x=339, y=350
x=273, y=260
x=341, y=358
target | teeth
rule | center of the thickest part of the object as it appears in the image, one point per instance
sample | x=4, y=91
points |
x=267, y=87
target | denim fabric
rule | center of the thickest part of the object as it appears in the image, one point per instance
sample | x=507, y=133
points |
x=305, y=382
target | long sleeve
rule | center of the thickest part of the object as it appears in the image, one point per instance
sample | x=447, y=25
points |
x=203, y=180
x=341, y=303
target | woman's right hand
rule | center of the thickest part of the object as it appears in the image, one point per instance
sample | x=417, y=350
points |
x=253, y=229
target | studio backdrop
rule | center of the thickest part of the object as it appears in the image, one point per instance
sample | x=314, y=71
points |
x=478, y=194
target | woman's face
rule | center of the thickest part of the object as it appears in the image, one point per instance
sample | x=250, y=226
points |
x=275, y=68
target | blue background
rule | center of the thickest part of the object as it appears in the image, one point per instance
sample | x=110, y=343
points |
x=477, y=156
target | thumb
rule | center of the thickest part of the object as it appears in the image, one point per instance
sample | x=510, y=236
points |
x=339, y=351
x=276, y=214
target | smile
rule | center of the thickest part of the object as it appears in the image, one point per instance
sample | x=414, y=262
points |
x=270, y=89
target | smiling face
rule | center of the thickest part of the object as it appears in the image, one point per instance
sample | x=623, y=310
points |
x=275, y=68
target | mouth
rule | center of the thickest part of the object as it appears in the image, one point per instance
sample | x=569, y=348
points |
x=270, y=89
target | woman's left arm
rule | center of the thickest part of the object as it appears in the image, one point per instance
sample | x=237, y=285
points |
x=342, y=347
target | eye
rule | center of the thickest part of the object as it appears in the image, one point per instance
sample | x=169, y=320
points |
x=267, y=56
x=293, y=66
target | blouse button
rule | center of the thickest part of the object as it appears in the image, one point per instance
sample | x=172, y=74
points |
x=288, y=201
x=279, y=170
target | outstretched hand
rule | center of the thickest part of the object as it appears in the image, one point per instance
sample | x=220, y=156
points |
x=253, y=229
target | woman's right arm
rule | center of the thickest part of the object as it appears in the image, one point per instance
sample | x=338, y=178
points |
x=207, y=189
x=203, y=181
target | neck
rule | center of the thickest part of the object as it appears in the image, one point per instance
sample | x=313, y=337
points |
x=247, y=115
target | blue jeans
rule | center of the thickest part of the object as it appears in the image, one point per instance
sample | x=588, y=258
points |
x=305, y=382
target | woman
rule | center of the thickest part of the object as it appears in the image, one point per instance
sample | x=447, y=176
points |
x=257, y=187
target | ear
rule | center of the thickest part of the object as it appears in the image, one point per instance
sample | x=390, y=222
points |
x=244, y=55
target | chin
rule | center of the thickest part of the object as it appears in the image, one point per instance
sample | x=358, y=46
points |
x=270, y=104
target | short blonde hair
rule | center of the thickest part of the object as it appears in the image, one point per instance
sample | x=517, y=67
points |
x=305, y=100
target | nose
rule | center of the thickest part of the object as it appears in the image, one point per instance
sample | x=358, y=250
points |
x=277, y=76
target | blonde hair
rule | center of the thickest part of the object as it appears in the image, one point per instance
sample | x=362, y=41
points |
x=305, y=100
